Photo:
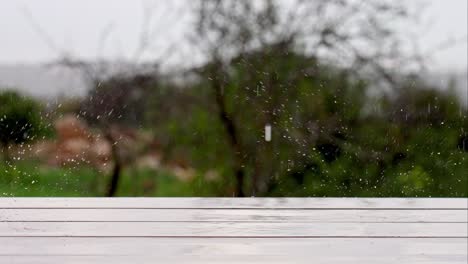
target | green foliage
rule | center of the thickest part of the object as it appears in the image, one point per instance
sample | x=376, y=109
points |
x=330, y=138
x=20, y=119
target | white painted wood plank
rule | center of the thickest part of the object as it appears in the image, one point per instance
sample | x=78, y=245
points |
x=262, y=259
x=234, y=215
x=193, y=250
x=33, y=246
x=233, y=229
x=226, y=203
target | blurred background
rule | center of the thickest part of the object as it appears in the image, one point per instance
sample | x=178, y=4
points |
x=339, y=98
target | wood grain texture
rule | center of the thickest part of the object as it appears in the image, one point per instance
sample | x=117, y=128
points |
x=260, y=259
x=225, y=230
x=239, y=203
x=105, y=246
x=233, y=215
x=284, y=250
x=233, y=229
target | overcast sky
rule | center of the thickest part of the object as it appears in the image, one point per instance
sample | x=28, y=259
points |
x=78, y=25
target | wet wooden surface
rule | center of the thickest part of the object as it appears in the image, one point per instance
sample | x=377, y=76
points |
x=225, y=230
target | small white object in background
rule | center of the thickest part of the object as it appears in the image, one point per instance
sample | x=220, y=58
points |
x=267, y=132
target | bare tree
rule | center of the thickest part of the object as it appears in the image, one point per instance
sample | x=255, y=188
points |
x=121, y=75
x=358, y=36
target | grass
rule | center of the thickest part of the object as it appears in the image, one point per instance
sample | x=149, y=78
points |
x=30, y=179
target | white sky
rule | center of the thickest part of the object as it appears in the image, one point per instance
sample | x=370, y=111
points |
x=77, y=26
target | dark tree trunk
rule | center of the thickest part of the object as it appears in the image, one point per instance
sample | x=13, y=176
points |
x=112, y=187
x=6, y=153
x=231, y=131
x=117, y=169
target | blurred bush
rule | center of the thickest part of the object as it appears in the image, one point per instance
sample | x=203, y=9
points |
x=20, y=120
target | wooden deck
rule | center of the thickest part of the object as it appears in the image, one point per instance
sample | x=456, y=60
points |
x=224, y=230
